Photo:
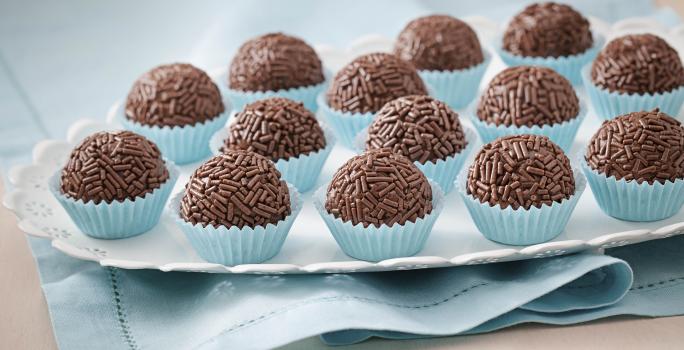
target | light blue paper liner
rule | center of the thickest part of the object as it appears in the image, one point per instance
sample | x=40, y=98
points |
x=563, y=134
x=444, y=171
x=345, y=125
x=117, y=219
x=459, y=87
x=180, y=144
x=305, y=94
x=568, y=66
x=386, y=242
x=520, y=227
x=631, y=201
x=608, y=105
x=301, y=171
x=234, y=246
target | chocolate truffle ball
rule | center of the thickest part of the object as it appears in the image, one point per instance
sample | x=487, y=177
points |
x=277, y=128
x=439, y=43
x=521, y=171
x=379, y=187
x=237, y=188
x=418, y=127
x=173, y=95
x=641, y=146
x=528, y=96
x=274, y=62
x=370, y=81
x=548, y=30
x=640, y=63
x=113, y=166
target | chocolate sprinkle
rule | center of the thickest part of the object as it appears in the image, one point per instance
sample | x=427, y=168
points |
x=379, y=187
x=528, y=96
x=237, y=188
x=418, y=127
x=174, y=95
x=370, y=81
x=521, y=171
x=548, y=30
x=641, y=63
x=439, y=42
x=274, y=62
x=113, y=166
x=641, y=146
x=276, y=128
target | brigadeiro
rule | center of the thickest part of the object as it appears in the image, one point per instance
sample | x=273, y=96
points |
x=447, y=54
x=379, y=206
x=426, y=131
x=636, y=72
x=529, y=100
x=635, y=166
x=114, y=184
x=552, y=35
x=178, y=107
x=236, y=209
x=362, y=87
x=285, y=132
x=275, y=64
x=521, y=189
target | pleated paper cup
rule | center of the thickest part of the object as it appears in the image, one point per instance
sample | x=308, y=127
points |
x=457, y=88
x=380, y=243
x=117, y=219
x=632, y=201
x=345, y=125
x=301, y=171
x=234, y=246
x=608, y=105
x=180, y=144
x=563, y=134
x=568, y=66
x=520, y=226
x=442, y=171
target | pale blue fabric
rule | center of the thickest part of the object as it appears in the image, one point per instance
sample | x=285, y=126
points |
x=60, y=61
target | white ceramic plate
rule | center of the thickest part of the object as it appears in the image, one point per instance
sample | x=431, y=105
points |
x=310, y=248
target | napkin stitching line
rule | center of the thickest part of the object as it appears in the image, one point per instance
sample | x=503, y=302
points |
x=291, y=307
x=656, y=285
x=121, y=315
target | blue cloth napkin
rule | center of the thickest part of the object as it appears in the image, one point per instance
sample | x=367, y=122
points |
x=64, y=60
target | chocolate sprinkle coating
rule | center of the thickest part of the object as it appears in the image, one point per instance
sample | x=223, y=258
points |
x=113, y=166
x=528, y=96
x=641, y=146
x=274, y=62
x=277, y=128
x=521, y=171
x=379, y=187
x=370, y=81
x=418, y=127
x=439, y=42
x=237, y=188
x=174, y=95
x=641, y=63
x=548, y=30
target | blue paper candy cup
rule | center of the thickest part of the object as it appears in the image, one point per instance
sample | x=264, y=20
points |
x=568, y=66
x=520, y=227
x=563, y=134
x=380, y=243
x=345, y=125
x=459, y=87
x=117, y=219
x=608, y=105
x=301, y=171
x=234, y=246
x=632, y=201
x=180, y=144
